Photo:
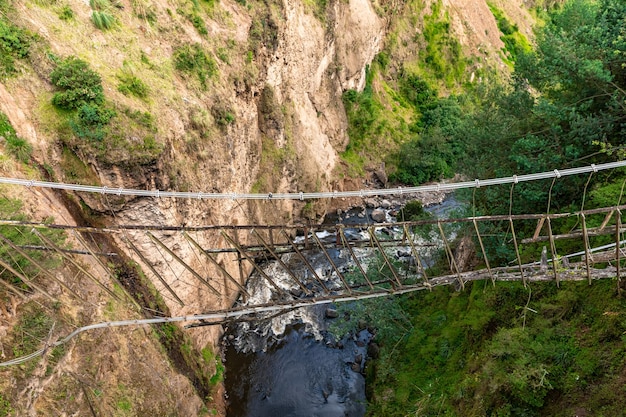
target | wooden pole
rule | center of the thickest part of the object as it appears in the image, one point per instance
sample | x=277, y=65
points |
x=183, y=263
x=586, y=243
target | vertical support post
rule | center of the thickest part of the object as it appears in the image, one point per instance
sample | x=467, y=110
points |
x=453, y=266
x=618, y=251
x=40, y=266
x=25, y=280
x=330, y=260
x=482, y=248
x=254, y=265
x=416, y=256
x=384, y=255
x=586, y=243
x=217, y=264
x=106, y=269
x=519, y=258
x=48, y=242
x=306, y=262
x=356, y=261
x=242, y=277
x=280, y=261
x=184, y=264
x=553, y=252
x=154, y=271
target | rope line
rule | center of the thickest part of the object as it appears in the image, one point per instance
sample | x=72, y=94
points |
x=515, y=179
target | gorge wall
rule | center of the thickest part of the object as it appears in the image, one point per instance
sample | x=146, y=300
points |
x=261, y=112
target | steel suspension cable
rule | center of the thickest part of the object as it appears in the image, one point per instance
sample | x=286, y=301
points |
x=318, y=195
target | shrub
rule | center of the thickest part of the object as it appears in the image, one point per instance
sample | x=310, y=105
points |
x=79, y=84
x=90, y=122
x=14, y=44
x=223, y=116
x=199, y=24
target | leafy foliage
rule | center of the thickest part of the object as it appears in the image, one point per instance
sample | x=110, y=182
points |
x=91, y=121
x=66, y=13
x=14, y=44
x=495, y=351
x=442, y=54
x=79, y=84
x=101, y=15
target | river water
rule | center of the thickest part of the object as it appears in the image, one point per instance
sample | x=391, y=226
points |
x=290, y=366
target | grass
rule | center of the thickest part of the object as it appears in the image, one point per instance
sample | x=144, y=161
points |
x=515, y=42
x=17, y=147
x=503, y=351
x=131, y=85
x=194, y=60
x=5, y=407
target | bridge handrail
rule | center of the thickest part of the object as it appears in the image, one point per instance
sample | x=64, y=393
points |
x=477, y=183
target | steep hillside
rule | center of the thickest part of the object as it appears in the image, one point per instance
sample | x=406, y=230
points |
x=193, y=96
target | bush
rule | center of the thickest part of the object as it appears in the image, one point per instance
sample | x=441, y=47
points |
x=90, y=122
x=19, y=148
x=79, y=84
x=14, y=44
x=417, y=91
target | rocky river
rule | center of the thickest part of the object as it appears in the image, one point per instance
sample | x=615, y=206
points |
x=291, y=365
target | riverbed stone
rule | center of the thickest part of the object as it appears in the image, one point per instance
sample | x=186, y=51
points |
x=385, y=204
x=378, y=215
x=331, y=313
x=373, y=350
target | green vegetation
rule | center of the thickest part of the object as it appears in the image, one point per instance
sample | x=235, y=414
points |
x=11, y=209
x=515, y=43
x=79, y=84
x=507, y=350
x=131, y=85
x=5, y=407
x=503, y=351
x=101, y=15
x=113, y=134
x=14, y=45
x=442, y=51
x=17, y=147
x=192, y=59
x=30, y=334
x=223, y=115
x=66, y=13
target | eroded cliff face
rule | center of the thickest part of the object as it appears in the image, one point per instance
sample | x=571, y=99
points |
x=270, y=119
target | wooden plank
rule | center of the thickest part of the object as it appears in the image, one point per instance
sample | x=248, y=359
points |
x=254, y=264
x=154, y=271
x=280, y=261
x=217, y=264
x=183, y=263
x=48, y=242
x=306, y=262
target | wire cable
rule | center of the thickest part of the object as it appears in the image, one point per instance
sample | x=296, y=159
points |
x=319, y=195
